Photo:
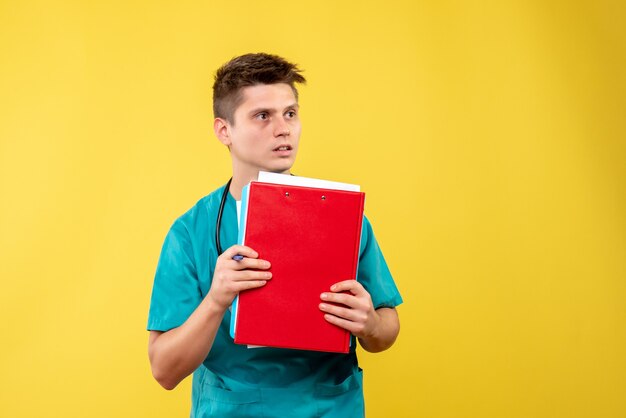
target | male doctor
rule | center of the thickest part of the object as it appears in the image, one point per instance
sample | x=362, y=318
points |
x=256, y=111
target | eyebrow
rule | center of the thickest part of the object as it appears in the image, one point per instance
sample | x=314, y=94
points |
x=270, y=111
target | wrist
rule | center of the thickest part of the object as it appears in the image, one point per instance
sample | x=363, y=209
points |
x=374, y=330
x=214, y=307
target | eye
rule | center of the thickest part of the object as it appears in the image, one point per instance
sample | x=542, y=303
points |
x=262, y=116
x=291, y=114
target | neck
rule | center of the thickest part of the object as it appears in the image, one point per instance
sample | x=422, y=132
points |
x=237, y=185
x=240, y=179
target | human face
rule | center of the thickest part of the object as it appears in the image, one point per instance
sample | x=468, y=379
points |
x=265, y=132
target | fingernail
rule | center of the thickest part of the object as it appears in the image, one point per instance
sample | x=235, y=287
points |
x=333, y=287
x=268, y=275
x=324, y=296
x=322, y=306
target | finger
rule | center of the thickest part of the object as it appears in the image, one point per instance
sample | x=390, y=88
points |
x=252, y=263
x=352, y=315
x=240, y=250
x=352, y=286
x=249, y=284
x=247, y=275
x=342, y=298
x=353, y=327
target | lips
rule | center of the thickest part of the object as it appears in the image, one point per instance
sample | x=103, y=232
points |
x=283, y=148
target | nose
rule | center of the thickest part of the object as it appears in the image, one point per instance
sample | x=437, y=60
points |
x=281, y=128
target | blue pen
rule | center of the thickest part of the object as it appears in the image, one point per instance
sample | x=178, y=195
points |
x=238, y=257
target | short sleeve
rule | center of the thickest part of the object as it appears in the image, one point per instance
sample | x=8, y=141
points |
x=176, y=291
x=373, y=272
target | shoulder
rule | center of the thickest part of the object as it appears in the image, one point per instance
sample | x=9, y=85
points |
x=203, y=208
x=367, y=225
x=198, y=219
x=367, y=232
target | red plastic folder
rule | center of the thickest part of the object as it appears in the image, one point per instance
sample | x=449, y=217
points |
x=311, y=237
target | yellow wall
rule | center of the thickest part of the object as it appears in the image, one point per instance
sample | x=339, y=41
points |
x=489, y=136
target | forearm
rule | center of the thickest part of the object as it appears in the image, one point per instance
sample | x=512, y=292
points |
x=175, y=354
x=384, y=334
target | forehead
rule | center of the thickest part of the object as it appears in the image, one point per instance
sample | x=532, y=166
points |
x=266, y=96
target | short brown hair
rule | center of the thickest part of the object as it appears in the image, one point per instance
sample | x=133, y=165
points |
x=250, y=70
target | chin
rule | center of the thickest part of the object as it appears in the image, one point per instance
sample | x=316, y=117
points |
x=280, y=169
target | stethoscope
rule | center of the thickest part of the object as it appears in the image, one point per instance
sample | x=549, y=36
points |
x=218, y=222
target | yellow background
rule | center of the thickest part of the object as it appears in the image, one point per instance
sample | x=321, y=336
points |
x=489, y=136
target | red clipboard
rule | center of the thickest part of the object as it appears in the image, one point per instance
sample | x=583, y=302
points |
x=311, y=236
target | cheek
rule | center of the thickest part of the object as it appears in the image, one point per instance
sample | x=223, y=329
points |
x=296, y=128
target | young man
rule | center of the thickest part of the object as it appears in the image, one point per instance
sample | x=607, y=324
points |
x=255, y=103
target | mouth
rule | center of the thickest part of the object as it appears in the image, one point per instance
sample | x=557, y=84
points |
x=283, y=148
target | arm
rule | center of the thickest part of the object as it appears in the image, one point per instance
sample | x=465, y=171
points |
x=376, y=329
x=176, y=353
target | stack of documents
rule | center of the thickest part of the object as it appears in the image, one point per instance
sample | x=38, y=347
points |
x=310, y=231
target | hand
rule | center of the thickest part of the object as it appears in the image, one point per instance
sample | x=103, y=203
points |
x=358, y=315
x=231, y=277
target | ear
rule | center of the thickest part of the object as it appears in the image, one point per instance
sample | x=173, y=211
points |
x=222, y=131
